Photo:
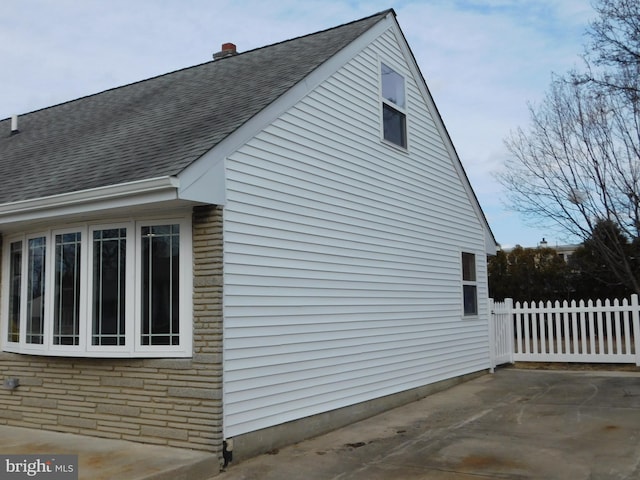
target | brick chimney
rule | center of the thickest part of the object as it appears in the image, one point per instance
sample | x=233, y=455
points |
x=227, y=50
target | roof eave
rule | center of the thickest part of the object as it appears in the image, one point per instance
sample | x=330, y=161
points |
x=160, y=189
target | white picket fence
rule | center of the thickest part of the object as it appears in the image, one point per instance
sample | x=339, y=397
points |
x=593, y=332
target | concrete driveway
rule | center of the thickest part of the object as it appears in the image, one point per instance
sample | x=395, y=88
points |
x=514, y=424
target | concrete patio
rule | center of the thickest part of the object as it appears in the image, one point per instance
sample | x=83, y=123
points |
x=105, y=459
x=515, y=424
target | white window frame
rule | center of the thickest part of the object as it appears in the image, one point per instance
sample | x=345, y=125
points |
x=133, y=346
x=401, y=109
x=130, y=266
x=8, y=282
x=469, y=282
x=185, y=287
x=31, y=347
x=84, y=282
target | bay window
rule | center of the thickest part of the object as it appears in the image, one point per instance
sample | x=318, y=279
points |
x=99, y=290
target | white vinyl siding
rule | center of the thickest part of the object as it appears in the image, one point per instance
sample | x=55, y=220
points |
x=342, y=256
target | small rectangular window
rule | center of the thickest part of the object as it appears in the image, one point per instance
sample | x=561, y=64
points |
x=469, y=284
x=15, y=291
x=160, y=285
x=394, y=120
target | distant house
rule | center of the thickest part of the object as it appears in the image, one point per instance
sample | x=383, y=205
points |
x=564, y=251
x=277, y=238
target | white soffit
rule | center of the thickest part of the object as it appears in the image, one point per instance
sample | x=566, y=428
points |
x=131, y=194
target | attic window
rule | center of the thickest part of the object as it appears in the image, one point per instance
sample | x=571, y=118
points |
x=394, y=119
x=469, y=284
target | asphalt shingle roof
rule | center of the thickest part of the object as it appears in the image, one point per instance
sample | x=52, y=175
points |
x=159, y=126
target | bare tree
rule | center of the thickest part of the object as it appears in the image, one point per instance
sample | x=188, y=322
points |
x=578, y=162
x=613, y=54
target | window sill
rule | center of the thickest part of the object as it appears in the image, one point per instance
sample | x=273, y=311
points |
x=42, y=352
x=395, y=146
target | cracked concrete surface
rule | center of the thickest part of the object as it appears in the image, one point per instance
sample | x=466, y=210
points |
x=514, y=424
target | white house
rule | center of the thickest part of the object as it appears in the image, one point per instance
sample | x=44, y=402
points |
x=257, y=248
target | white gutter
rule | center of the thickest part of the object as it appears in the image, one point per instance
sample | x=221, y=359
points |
x=131, y=193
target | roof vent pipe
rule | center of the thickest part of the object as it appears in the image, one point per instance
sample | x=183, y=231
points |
x=14, y=125
x=227, y=50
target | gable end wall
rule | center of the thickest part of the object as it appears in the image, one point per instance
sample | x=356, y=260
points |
x=343, y=279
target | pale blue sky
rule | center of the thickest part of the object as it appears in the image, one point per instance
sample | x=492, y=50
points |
x=483, y=60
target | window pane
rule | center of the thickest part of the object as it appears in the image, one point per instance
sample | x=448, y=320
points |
x=470, y=300
x=15, y=289
x=35, y=290
x=160, y=285
x=109, y=286
x=394, y=125
x=469, y=267
x=392, y=86
x=66, y=315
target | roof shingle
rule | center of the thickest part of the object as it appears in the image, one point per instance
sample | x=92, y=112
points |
x=159, y=126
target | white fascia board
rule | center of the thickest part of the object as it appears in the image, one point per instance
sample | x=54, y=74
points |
x=153, y=190
x=490, y=241
x=209, y=169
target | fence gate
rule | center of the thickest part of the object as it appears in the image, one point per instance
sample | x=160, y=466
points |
x=502, y=332
x=596, y=332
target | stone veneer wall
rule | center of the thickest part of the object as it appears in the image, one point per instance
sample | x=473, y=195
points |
x=173, y=402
